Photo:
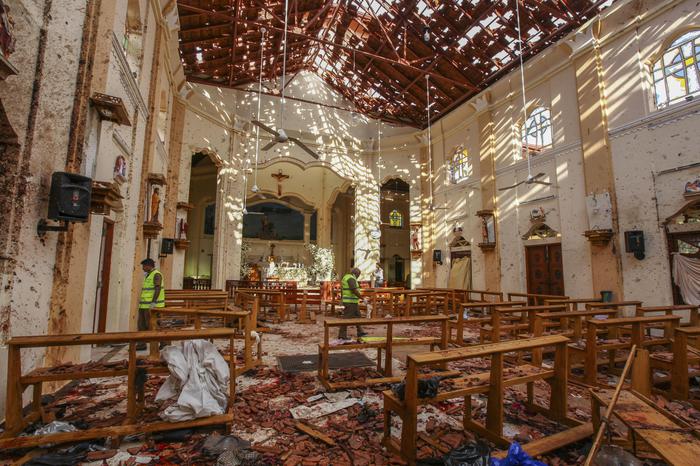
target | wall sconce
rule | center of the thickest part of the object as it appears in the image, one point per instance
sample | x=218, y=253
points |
x=634, y=243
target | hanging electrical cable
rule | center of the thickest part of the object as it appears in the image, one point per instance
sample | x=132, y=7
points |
x=430, y=143
x=282, y=133
x=255, y=188
x=531, y=179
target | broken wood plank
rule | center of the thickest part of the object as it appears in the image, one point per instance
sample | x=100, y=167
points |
x=314, y=433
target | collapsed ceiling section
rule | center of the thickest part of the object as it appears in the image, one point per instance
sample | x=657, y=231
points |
x=376, y=53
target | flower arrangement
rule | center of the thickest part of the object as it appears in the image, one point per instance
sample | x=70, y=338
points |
x=322, y=263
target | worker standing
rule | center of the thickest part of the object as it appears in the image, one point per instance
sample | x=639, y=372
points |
x=350, y=293
x=152, y=295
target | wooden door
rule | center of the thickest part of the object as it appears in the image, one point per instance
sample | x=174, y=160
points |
x=102, y=298
x=545, y=273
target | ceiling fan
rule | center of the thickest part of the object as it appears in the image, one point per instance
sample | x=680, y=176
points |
x=531, y=179
x=280, y=134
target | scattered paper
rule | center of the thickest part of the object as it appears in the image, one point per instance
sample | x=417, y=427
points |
x=321, y=409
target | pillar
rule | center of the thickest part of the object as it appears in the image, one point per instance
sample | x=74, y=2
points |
x=367, y=219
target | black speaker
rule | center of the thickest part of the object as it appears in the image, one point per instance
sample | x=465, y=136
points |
x=437, y=256
x=166, y=245
x=69, y=199
x=634, y=243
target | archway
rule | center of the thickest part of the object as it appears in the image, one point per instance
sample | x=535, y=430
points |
x=395, y=232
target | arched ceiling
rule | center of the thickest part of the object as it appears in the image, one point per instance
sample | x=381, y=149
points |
x=374, y=52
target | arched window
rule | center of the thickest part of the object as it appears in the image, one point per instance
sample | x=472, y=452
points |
x=459, y=168
x=395, y=219
x=537, y=132
x=677, y=73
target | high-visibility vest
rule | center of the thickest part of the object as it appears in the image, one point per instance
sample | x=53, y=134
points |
x=149, y=287
x=347, y=294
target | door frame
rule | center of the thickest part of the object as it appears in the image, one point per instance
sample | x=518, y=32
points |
x=104, y=274
x=671, y=240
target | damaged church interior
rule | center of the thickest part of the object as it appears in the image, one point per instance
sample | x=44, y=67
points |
x=350, y=232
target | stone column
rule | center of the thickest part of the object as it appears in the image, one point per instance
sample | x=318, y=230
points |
x=606, y=265
x=367, y=219
x=487, y=171
x=229, y=217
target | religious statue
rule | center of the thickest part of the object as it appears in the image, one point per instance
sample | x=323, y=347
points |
x=254, y=273
x=120, y=168
x=271, y=268
x=182, y=229
x=415, y=238
x=692, y=187
x=155, y=204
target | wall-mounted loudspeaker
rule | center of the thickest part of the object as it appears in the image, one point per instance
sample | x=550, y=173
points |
x=69, y=199
x=634, y=243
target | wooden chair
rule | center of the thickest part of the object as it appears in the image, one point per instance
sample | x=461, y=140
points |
x=388, y=344
x=491, y=383
x=17, y=382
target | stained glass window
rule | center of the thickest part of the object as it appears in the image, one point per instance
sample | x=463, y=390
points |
x=395, y=219
x=676, y=74
x=537, y=132
x=460, y=169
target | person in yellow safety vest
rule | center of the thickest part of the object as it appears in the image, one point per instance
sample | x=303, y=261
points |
x=152, y=295
x=350, y=293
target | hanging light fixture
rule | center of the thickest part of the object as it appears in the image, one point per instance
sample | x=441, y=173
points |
x=255, y=188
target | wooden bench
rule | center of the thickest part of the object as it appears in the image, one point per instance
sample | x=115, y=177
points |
x=271, y=301
x=16, y=421
x=578, y=304
x=501, y=321
x=485, y=296
x=693, y=318
x=195, y=298
x=473, y=314
x=614, y=330
x=678, y=363
x=626, y=308
x=571, y=324
x=533, y=299
x=247, y=320
x=387, y=345
x=491, y=383
x=674, y=440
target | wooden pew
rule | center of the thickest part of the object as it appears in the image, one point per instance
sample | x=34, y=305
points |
x=196, y=298
x=533, y=299
x=674, y=440
x=325, y=348
x=626, y=308
x=270, y=301
x=246, y=316
x=484, y=296
x=491, y=383
x=578, y=304
x=678, y=363
x=693, y=317
x=474, y=314
x=571, y=324
x=613, y=330
x=17, y=382
x=501, y=321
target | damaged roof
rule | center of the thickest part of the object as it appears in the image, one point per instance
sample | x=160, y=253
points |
x=376, y=53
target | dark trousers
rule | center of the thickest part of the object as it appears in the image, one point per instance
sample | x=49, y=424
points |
x=351, y=311
x=144, y=320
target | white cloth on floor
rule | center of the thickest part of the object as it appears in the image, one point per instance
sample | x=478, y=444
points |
x=199, y=377
x=686, y=274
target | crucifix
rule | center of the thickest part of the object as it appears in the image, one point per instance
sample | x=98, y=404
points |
x=280, y=178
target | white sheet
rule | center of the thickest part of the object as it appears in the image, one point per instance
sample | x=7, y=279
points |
x=686, y=274
x=199, y=377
